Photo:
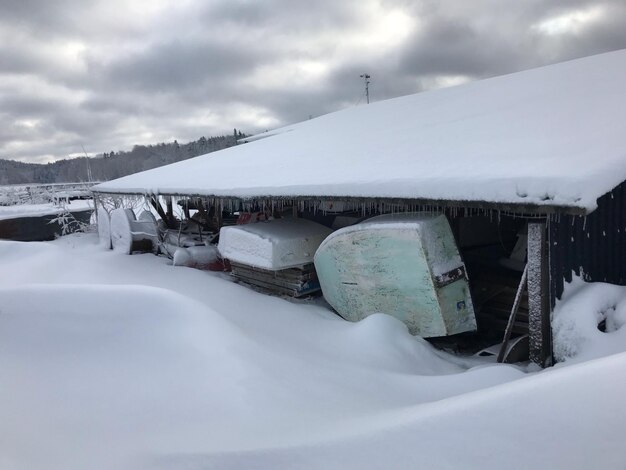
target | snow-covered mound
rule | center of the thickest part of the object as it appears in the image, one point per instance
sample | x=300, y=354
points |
x=110, y=361
x=549, y=136
x=101, y=372
x=94, y=365
x=589, y=321
x=570, y=418
x=200, y=257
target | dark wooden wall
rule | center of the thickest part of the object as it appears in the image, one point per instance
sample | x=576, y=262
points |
x=36, y=228
x=593, y=246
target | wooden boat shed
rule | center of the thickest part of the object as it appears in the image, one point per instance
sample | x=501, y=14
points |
x=538, y=155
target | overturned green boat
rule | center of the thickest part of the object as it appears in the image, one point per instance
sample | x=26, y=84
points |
x=404, y=265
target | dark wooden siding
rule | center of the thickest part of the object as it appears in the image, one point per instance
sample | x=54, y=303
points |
x=593, y=246
x=37, y=228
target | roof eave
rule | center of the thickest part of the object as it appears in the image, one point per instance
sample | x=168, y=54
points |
x=512, y=207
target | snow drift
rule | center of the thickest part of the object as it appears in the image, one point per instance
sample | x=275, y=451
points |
x=589, y=322
x=190, y=370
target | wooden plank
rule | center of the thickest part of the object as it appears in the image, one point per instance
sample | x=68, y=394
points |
x=157, y=207
x=509, y=326
x=170, y=212
x=487, y=322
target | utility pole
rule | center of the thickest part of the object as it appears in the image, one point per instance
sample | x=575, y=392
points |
x=367, y=77
x=88, y=165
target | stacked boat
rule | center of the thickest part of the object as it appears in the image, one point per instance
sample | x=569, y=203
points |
x=275, y=255
x=407, y=266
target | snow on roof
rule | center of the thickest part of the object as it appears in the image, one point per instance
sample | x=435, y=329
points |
x=551, y=136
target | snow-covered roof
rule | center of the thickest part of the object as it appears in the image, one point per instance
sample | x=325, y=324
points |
x=554, y=136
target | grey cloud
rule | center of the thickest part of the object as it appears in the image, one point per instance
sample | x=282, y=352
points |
x=45, y=18
x=283, y=16
x=449, y=47
x=175, y=66
x=30, y=106
x=19, y=60
x=481, y=46
x=191, y=61
x=30, y=60
x=607, y=34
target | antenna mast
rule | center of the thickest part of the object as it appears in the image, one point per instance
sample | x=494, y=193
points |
x=367, y=77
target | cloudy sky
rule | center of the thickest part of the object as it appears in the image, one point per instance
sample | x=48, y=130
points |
x=108, y=74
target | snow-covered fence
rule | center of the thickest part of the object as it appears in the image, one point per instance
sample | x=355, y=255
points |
x=11, y=195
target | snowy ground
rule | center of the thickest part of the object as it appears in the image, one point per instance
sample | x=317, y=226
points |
x=113, y=361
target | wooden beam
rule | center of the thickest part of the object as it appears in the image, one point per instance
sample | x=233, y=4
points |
x=169, y=203
x=511, y=323
x=513, y=208
x=219, y=216
x=157, y=207
x=539, y=328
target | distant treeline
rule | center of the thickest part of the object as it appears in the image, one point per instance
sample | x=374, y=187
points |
x=114, y=164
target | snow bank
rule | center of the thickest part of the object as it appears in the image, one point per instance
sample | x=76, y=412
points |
x=115, y=361
x=548, y=136
x=93, y=365
x=199, y=257
x=576, y=320
x=102, y=373
x=570, y=418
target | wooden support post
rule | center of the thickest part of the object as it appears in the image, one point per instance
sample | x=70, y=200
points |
x=219, y=214
x=157, y=207
x=96, y=203
x=539, y=328
x=169, y=203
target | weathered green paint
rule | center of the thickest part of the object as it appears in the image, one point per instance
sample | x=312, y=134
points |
x=390, y=268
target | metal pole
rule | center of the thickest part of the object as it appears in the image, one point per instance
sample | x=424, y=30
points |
x=367, y=77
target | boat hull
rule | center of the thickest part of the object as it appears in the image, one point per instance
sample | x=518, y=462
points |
x=410, y=269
